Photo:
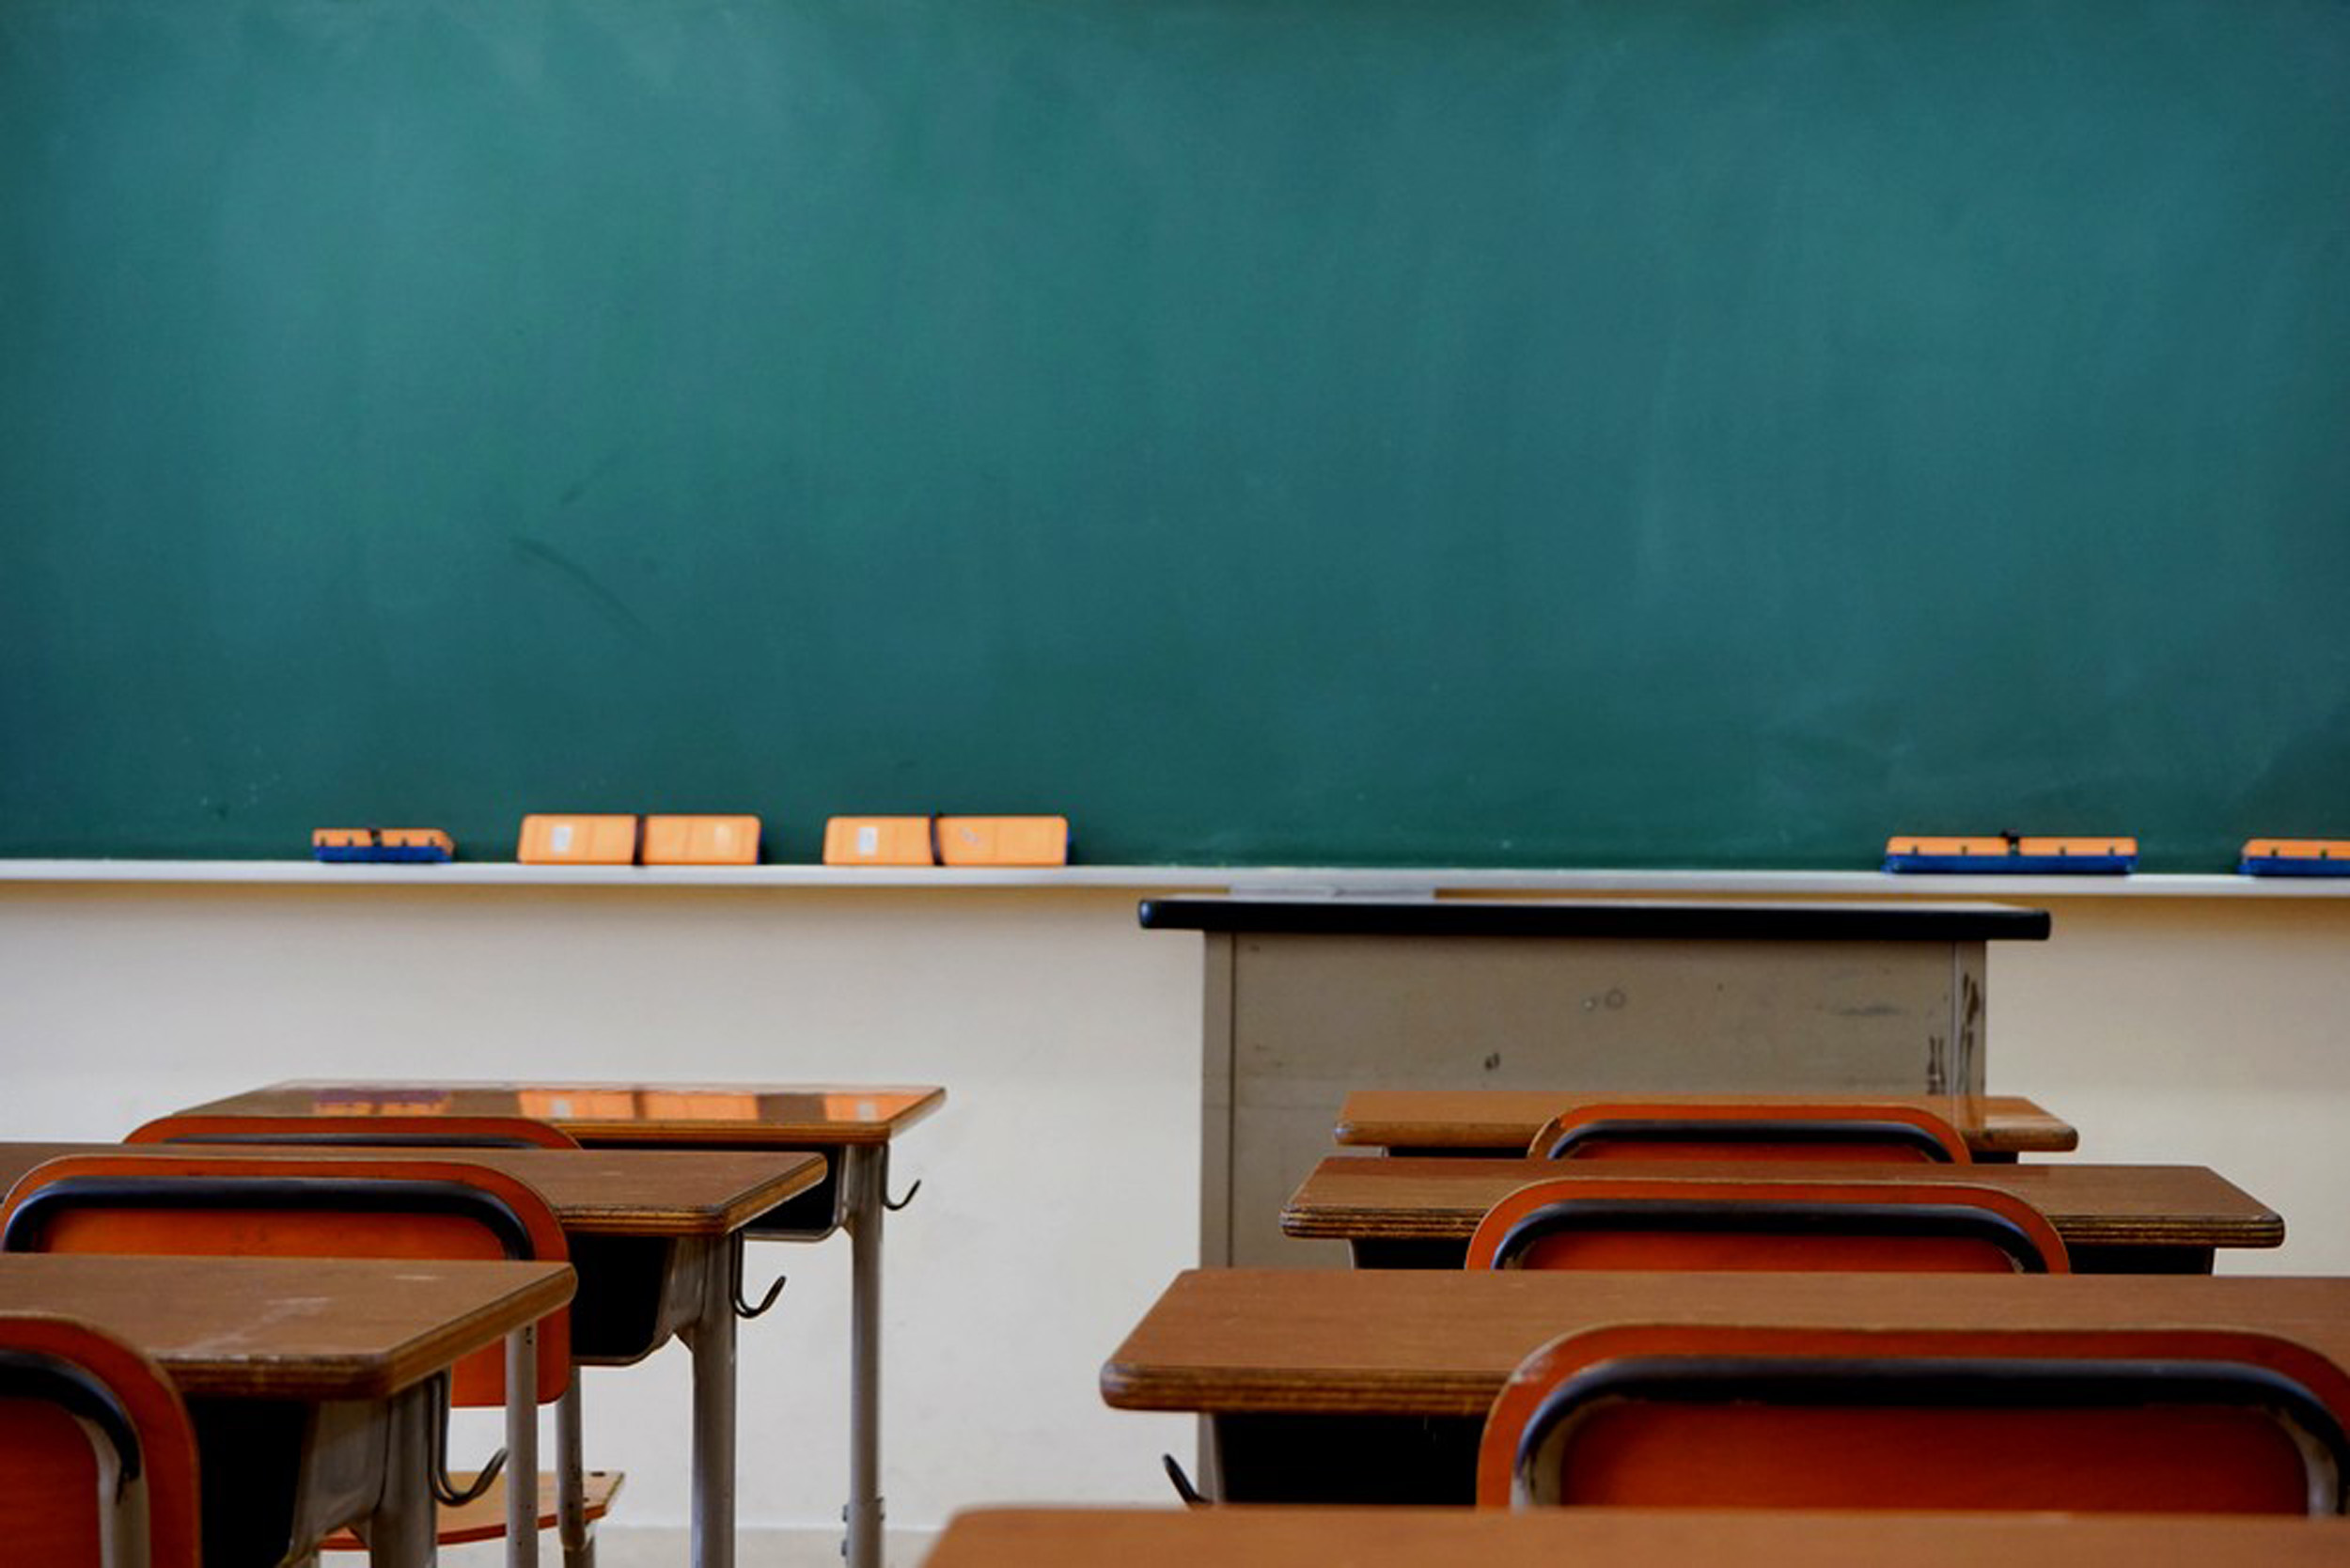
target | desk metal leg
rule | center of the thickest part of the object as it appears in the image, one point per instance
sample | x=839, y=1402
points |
x=571, y=1486
x=711, y=1338
x=399, y=1529
x=522, y=1446
x=865, y=1179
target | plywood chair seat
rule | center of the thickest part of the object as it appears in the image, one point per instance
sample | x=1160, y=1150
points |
x=1673, y=1223
x=264, y=1131
x=2121, y=1419
x=287, y=1203
x=95, y=1443
x=229, y=1205
x=377, y=1132
x=484, y=1518
x=1735, y=1129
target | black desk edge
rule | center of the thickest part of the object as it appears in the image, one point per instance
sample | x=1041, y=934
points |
x=1627, y=919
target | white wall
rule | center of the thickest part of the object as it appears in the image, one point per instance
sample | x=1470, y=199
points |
x=1060, y=1181
x=2201, y=1032
x=1061, y=1177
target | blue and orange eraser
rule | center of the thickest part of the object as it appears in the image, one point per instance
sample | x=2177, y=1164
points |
x=2008, y=855
x=410, y=844
x=2296, y=857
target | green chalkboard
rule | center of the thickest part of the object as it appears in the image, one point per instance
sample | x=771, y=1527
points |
x=1639, y=432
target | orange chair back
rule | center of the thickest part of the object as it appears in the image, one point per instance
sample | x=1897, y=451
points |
x=2163, y=1421
x=289, y=1206
x=1671, y=1223
x=383, y=1132
x=1733, y=1130
x=87, y=1423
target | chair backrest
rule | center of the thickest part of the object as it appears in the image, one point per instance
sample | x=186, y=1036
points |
x=1740, y=1224
x=97, y=1454
x=1734, y=1130
x=297, y=1206
x=373, y=1132
x=2128, y=1419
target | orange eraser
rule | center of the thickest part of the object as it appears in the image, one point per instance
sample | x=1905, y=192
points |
x=701, y=841
x=578, y=842
x=1003, y=841
x=878, y=841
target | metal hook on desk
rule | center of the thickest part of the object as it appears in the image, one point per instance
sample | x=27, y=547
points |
x=743, y=1310
x=445, y=1488
x=894, y=1207
x=1184, y=1488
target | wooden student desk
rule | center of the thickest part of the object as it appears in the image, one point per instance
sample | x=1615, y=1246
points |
x=852, y=1126
x=1307, y=998
x=1372, y=1385
x=2114, y=1218
x=311, y=1380
x=1621, y=1538
x=656, y=1238
x=1503, y=1121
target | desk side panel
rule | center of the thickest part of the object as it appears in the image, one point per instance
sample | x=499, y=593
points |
x=1315, y=1017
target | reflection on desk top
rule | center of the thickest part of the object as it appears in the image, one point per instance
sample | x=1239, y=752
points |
x=1509, y=1117
x=1242, y=1537
x=619, y=1192
x=310, y=1329
x=1351, y=1195
x=780, y=1116
x=1440, y=1343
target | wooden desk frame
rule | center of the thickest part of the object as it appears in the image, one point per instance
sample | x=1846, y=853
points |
x=1419, y=1213
x=1336, y=1387
x=369, y=1420
x=855, y=1198
x=649, y=1273
x=1307, y=999
x=1619, y=1538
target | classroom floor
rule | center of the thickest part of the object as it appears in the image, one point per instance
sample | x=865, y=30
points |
x=669, y=1548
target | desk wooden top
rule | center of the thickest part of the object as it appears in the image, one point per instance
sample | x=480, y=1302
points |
x=307, y=1328
x=623, y=1192
x=1357, y=1196
x=1243, y=1537
x=1437, y=1342
x=1509, y=1117
x=769, y=1116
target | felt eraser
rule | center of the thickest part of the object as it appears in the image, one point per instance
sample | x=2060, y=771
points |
x=878, y=841
x=574, y=840
x=1003, y=841
x=701, y=841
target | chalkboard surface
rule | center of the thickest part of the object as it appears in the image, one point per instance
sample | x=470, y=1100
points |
x=1706, y=433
